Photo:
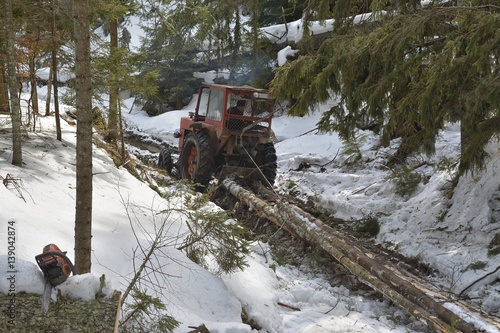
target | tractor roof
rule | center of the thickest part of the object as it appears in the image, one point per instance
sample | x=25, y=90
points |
x=234, y=88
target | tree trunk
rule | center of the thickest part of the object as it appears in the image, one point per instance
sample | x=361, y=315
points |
x=123, y=153
x=54, y=77
x=15, y=105
x=34, y=91
x=384, y=278
x=4, y=92
x=113, y=86
x=49, y=93
x=83, y=215
x=255, y=33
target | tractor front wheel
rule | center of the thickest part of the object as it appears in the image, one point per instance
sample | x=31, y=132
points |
x=196, y=161
x=165, y=160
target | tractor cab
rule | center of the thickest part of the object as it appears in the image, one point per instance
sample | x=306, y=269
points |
x=217, y=106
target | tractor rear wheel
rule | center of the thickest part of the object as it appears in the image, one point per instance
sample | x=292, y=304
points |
x=196, y=161
x=268, y=162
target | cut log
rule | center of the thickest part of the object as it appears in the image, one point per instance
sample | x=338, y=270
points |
x=381, y=277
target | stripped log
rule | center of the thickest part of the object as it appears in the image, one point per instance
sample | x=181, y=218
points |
x=357, y=261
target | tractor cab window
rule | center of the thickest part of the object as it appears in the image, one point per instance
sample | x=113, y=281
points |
x=258, y=105
x=215, y=105
x=238, y=105
x=203, y=106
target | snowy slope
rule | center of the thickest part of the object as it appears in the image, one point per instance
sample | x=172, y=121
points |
x=195, y=296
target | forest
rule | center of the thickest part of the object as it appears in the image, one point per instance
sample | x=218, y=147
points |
x=403, y=72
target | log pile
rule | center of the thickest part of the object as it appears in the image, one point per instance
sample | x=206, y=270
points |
x=384, y=277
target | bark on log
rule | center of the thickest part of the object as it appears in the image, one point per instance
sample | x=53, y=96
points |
x=362, y=264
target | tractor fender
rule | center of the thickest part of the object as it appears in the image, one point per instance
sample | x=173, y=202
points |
x=197, y=125
x=210, y=129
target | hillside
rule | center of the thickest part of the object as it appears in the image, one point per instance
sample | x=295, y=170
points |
x=451, y=235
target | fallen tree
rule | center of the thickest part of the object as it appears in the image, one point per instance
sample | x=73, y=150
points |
x=384, y=278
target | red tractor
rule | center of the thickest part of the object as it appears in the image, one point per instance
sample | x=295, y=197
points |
x=228, y=134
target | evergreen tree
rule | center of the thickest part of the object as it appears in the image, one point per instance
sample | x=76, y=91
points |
x=405, y=75
x=112, y=13
x=200, y=35
x=172, y=49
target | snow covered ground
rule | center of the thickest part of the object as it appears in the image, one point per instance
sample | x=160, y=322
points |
x=449, y=234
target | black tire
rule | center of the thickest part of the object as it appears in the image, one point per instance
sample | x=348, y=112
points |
x=196, y=161
x=165, y=160
x=268, y=162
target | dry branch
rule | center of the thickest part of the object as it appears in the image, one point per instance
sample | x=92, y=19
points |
x=288, y=306
x=15, y=182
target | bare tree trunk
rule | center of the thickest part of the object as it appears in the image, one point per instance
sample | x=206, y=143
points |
x=83, y=216
x=113, y=86
x=54, y=76
x=34, y=91
x=15, y=105
x=34, y=86
x=49, y=93
x=4, y=91
x=122, y=140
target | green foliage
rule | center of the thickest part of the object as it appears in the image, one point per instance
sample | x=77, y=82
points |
x=406, y=181
x=98, y=120
x=350, y=149
x=494, y=246
x=291, y=185
x=478, y=265
x=215, y=237
x=111, y=9
x=405, y=75
x=449, y=165
x=121, y=67
x=171, y=50
x=199, y=36
x=195, y=202
x=145, y=314
x=369, y=225
x=280, y=12
x=282, y=255
x=351, y=152
x=183, y=39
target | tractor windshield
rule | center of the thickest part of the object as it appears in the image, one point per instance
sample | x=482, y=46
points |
x=250, y=106
x=262, y=107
